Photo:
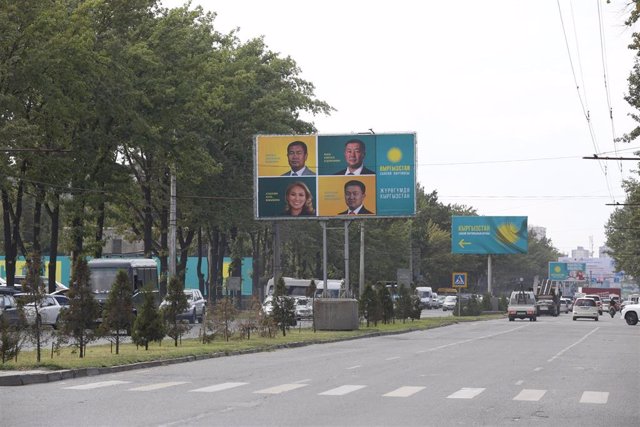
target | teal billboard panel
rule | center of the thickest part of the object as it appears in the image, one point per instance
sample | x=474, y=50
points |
x=558, y=271
x=489, y=235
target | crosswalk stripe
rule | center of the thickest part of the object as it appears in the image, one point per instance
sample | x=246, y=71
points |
x=404, y=391
x=280, y=388
x=158, y=386
x=218, y=387
x=594, y=397
x=342, y=390
x=96, y=385
x=466, y=393
x=530, y=395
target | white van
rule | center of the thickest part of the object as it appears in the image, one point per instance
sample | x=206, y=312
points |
x=426, y=296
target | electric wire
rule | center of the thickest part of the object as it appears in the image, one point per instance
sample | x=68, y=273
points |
x=585, y=109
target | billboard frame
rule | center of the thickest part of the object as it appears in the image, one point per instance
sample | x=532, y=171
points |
x=275, y=178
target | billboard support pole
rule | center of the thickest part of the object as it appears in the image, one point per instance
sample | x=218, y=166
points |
x=346, y=256
x=324, y=257
x=276, y=253
x=489, y=275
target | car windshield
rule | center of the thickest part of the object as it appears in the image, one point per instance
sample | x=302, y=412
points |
x=450, y=299
x=585, y=303
x=424, y=294
x=521, y=298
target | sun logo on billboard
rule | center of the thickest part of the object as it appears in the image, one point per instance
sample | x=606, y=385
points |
x=508, y=233
x=394, y=155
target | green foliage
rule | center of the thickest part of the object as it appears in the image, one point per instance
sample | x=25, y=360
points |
x=79, y=319
x=470, y=307
x=284, y=312
x=148, y=326
x=252, y=320
x=486, y=302
x=503, y=303
x=369, y=306
x=404, y=304
x=175, y=304
x=117, y=314
x=12, y=338
x=386, y=303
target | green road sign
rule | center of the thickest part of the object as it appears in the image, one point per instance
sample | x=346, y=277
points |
x=489, y=235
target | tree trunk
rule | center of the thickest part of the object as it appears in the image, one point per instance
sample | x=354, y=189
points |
x=99, y=229
x=54, y=214
x=185, y=244
x=37, y=219
x=199, y=264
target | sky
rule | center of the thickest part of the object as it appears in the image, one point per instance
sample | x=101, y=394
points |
x=498, y=93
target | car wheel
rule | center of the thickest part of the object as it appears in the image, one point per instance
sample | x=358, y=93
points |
x=192, y=319
x=574, y=318
x=535, y=319
x=202, y=316
x=631, y=318
x=55, y=324
x=511, y=319
x=596, y=319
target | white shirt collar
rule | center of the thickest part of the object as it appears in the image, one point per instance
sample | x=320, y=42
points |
x=356, y=172
x=299, y=172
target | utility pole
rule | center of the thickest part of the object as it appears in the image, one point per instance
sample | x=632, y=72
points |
x=361, y=258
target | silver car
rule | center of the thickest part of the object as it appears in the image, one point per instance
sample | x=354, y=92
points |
x=48, y=311
x=197, y=308
x=585, y=308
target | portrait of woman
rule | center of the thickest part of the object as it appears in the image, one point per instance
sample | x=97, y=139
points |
x=298, y=200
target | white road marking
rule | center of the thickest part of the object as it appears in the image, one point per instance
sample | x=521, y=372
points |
x=466, y=393
x=354, y=367
x=393, y=358
x=473, y=339
x=97, y=385
x=158, y=386
x=519, y=382
x=594, y=397
x=530, y=395
x=280, y=388
x=404, y=391
x=217, y=387
x=342, y=390
x=538, y=369
x=561, y=352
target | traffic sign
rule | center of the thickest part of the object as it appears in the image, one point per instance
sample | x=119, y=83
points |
x=459, y=280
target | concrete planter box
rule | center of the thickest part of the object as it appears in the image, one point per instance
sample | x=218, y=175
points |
x=336, y=314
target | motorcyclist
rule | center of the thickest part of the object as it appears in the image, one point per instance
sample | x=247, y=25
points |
x=613, y=307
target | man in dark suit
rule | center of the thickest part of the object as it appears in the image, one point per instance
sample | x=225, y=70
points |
x=297, y=157
x=354, y=154
x=354, y=194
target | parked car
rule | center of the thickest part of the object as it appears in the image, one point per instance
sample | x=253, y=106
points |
x=9, y=310
x=449, y=303
x=564, y=305
x=304, y=308
x=197, y=306
x=598, y=301
x=631, y=313
x=48, y=310
x=585, y=308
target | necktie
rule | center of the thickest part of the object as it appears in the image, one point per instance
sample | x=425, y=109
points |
x=294, y=174
x=352, y=212
x=350, y=173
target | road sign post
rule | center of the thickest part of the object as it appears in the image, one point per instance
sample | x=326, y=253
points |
x=459, y=280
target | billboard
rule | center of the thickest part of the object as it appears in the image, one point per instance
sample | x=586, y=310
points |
x=333, y=176
x=567, y=270
x=489, y=235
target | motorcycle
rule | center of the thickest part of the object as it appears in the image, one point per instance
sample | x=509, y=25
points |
x=612, y=311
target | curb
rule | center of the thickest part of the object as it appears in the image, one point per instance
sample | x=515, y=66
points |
x=38, y=377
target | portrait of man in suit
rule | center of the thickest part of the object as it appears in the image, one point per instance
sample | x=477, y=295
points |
x=297, y=156
x=354, y=154
x=354, y=195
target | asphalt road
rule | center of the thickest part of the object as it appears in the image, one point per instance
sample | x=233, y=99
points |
x=551, y=372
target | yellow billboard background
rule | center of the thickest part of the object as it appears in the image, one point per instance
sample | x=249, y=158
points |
x=272, y=153
x=21, y=269
x=331, y=193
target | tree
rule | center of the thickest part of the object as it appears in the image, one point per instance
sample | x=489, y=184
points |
x=404, y=304
x=252, y=320
x=148, y=326
x=175, y=304
x=34, y=287
x=79, y=320
x=117, y=314
x=283, y=307
x=224, y=315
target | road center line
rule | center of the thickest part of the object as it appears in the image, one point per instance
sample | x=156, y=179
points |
x=472, y=339
x=354, y=367
x=561, y=352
